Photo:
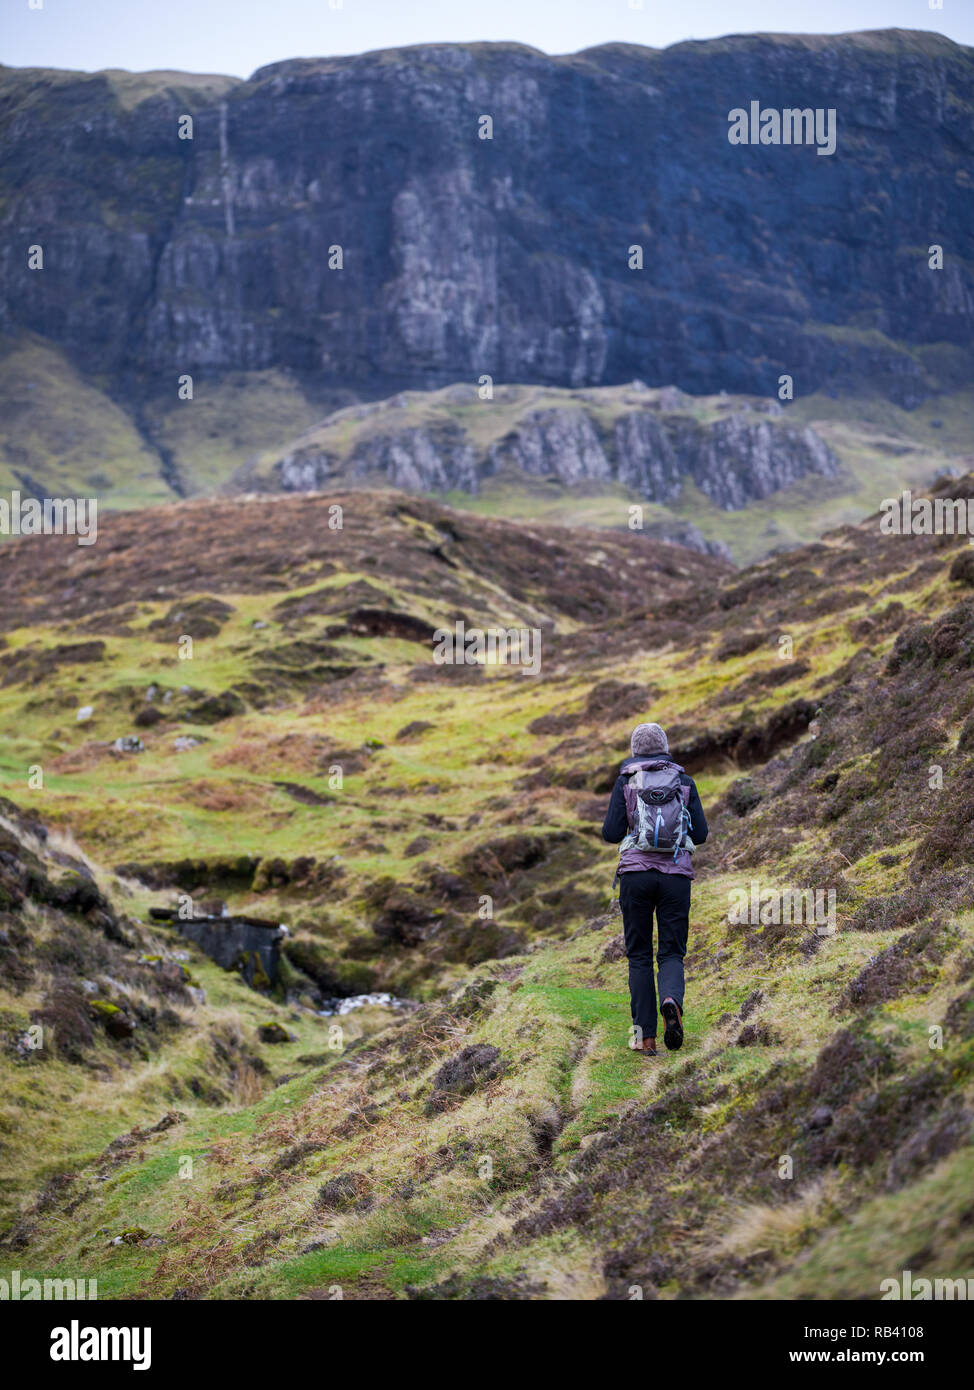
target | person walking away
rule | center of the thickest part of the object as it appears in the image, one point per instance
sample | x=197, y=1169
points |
x=656, y=818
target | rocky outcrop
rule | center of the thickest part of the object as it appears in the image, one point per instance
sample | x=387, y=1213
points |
x=416, y=459
x=560, y=444
x=736, y=452
x=508, y=256
x=740, y=459
x=646, y=459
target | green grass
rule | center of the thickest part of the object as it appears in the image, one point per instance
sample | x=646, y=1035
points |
x=559, y=1015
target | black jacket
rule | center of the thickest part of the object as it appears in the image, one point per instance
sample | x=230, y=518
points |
x=615, y=827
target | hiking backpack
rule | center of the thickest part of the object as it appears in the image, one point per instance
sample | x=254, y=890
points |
x=657, y=806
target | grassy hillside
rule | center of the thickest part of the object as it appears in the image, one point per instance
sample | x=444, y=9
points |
x=229, y=419
x=500, y=1140
x=62, y=436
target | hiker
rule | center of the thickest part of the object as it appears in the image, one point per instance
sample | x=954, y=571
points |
x=656, y=818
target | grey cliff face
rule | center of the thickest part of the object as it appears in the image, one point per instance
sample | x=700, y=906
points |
x=509, y=256
x=647, y=461
x=561, y=444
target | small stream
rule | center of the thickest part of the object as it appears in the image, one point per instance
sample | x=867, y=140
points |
x=359, y=1001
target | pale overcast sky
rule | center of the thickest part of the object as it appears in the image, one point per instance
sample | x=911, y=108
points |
x=237, y=36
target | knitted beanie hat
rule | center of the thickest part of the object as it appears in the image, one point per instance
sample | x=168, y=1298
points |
x=648, y=740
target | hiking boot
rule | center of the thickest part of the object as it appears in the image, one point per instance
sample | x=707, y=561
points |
x=648, y=1048
x=673, y=1033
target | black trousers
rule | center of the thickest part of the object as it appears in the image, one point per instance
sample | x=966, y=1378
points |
x=641, y=893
